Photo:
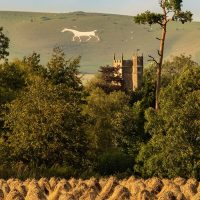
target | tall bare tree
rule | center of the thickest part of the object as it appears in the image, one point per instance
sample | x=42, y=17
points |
x=171, y=11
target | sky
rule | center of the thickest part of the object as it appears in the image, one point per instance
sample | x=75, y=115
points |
x=125, y=7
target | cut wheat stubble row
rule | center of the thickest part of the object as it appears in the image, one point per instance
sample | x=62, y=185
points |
x=100, y=189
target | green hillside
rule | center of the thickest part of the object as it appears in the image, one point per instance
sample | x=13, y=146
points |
x=40, y=32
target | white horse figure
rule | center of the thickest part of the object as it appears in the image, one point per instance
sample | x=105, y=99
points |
x=79, y=34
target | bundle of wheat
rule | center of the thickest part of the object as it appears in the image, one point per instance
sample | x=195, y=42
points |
x=67, y=196
x=94, y=184
x=2, y=181
x=171, y=187
x=168, y=195
x=1, y=195
x=123, y=182
x=120, y=193
x=90, y=194
x=179, y=181
x=190, y=188
x=45, y=186
x=22, y=190
x=62, y=188
x=77, y=192
x=35, y=192
x=145, y=194
x=154, y=185
x=14, y=195
x=198, y=188
x=108, y=188
x=26, y=183
x=137, y=187
x=73, y=182
x=53, y=182
x=196, y=197
x=16, y=184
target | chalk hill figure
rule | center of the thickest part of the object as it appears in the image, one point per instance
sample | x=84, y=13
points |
x=78, y=34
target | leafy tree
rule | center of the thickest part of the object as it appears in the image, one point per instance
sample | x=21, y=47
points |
x=112, y=122
x=168, y=6
x=173, y=68
x=100, y=110
x=44, y=122
x=174, y=147
x=143, y=99
x=170, y=70
x=33, y=66
x=63, y=71
x=12, y=77
x=46, y=127
x=146, y=95
x=12, y=81
x=108, y=79
x=4, y=45
x=111, y=79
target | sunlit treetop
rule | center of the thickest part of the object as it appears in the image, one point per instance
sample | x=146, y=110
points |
x=171, y=4
x=4, y=45
x=172, y=11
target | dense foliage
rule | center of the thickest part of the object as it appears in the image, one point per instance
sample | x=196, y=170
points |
x=174, y=149
x=51, y=123
x=109, y=79
x=4, y=44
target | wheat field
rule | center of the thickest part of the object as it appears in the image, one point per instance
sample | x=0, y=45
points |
x=100, y=189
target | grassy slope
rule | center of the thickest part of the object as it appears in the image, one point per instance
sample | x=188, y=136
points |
x=40, y=32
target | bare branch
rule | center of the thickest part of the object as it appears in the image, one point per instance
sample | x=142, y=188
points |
x=161, y=3
x=153, y=59
x=158, y=38
x=158, y=52
x=159, y=23
x=169, y=11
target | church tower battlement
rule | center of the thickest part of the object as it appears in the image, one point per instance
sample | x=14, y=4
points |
x=137, y=72
x=131, y=71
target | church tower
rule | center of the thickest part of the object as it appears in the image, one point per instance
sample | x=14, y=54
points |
x=131, y=71
x=137, y=73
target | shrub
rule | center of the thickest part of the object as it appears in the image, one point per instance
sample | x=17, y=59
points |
x=23, y=171
x=114, y=162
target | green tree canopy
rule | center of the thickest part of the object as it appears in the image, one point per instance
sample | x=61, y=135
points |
x=45, y=127
x=32, y=65
x=108, y=79
x=175, y=129
x=63, y=71
x=4, y=45
x=43, y=121
x=12, y=81
x=112, y=122
x=174, y=67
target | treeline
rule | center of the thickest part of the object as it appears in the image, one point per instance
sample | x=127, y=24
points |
x=53, y=125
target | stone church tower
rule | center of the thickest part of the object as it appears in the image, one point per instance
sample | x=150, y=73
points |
x=131, y=71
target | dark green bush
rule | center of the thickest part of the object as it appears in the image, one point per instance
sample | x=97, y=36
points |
x=23, y=171
x=114, y=162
